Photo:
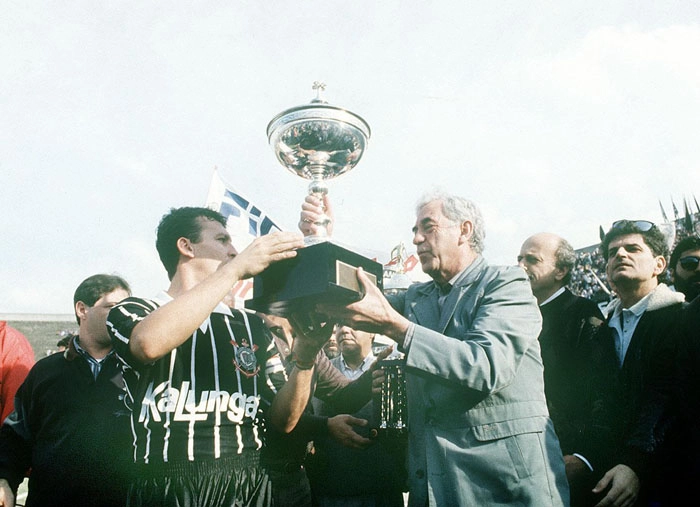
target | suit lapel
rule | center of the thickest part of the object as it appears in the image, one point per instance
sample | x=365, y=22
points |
x=461, y=286
x=449, y=306
x=425, y=306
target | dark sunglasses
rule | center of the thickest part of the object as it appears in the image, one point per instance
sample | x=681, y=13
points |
x=690, y=263
x=642, y=225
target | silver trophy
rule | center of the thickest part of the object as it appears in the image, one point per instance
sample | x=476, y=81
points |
x=318, y=142
x=391, y=407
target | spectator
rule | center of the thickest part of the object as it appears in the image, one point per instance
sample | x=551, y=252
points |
x=16, y=358
x=349, y=477
x=71, y=424
x=569, y=326
x=588, y=278
x=682, y=484
x=685, y=267
x=62, y=343
x=285, y=455
x=641, y=327
x=331, y=348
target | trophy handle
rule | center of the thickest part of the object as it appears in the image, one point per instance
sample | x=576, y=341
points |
x=319, y=189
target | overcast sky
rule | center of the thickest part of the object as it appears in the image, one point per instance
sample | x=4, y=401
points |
x=556, y=116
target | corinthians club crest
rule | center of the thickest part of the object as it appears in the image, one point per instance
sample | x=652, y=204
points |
x=244, y=358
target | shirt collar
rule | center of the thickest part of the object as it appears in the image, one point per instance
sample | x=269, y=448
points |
x=637, y=309
x=80, y=350
x=446, y=288
x=364, y=365
x=554, y=296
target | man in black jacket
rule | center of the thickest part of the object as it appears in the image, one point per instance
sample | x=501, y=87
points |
x=71, y=424
x=569, y=324
x=642, y=327
x=686, y=461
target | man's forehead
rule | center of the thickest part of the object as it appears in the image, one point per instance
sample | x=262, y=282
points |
x=209, y=223
x=628, y=239
x=431, y=211
x=539, y=247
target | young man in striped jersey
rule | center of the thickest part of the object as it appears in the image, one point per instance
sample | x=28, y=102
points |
x=207, y=378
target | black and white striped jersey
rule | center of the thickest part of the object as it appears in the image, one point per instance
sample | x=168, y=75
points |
x=206, y=398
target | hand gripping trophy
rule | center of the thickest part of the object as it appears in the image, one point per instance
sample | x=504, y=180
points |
x=318, y=142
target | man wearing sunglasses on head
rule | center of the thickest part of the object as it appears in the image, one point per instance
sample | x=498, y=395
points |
x=641, y=327
x=685, y=267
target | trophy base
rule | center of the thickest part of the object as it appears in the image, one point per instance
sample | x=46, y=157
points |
x=320, y=273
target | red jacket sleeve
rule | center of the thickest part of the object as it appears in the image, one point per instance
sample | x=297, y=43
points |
x=16, y=359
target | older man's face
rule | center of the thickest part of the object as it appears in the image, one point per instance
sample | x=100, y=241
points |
x=538, y=258
x=437, y=241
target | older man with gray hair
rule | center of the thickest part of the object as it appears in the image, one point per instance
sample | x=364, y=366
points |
x=479, y=429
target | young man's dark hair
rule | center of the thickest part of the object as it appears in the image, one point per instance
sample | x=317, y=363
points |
x=181, y=223
x=689, y=243
x=653, y=237
x=94, y=287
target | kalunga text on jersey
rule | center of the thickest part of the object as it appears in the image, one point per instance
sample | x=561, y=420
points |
x=183, y=406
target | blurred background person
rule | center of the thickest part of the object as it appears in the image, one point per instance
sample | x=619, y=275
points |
x=16, y=359
x=373, y=476
x=70, y=425
x=685, y=267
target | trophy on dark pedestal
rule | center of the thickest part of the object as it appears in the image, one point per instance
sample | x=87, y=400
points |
x=318, y=142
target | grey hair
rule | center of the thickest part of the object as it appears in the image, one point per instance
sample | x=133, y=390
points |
x=565, y=258
x=458, y=209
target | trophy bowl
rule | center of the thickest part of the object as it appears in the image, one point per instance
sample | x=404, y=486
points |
x=317, y=142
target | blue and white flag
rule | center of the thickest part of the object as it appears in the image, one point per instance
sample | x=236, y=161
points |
x=245, y=220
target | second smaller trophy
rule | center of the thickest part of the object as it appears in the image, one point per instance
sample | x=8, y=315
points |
x=391, y=407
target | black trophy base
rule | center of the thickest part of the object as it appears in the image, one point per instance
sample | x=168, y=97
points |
x=320, y=273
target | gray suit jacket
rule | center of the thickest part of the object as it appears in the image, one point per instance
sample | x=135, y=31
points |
x=479, y=430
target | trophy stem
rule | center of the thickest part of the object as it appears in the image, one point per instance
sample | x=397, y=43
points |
x=319, y=189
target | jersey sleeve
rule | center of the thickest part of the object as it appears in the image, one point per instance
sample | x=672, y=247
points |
x=122, y=320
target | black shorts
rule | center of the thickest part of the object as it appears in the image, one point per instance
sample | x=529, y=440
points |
x=236, y=481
